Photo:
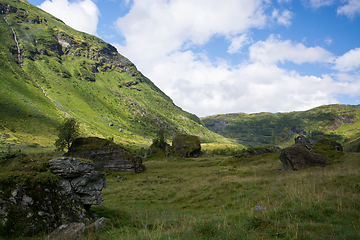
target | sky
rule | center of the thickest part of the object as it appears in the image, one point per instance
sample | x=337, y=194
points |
x=229, y=56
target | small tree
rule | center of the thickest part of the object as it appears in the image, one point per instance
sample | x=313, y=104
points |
x=159, y=141
x=68, y=132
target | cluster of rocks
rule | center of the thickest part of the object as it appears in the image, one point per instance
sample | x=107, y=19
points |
x=105, y=155
x=301, y=154
x=184, y=146
x=28, y=209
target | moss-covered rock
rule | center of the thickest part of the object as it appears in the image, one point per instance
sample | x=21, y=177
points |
x=297, y=158
x=186, y=146
x=328, y=148
x=106, y=155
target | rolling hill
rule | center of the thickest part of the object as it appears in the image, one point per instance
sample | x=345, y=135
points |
x=49, y=71
x=337, y=122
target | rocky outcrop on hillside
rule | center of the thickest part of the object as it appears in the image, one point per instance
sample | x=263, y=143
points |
x=106, y=156
x=27, y=209
x=217, y=125
x=342, y=119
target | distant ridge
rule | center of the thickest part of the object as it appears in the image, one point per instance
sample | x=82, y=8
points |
x=336, y=122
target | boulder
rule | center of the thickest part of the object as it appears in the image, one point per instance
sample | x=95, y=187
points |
x=186, y=146
x=71, y=231
x=79, y=180
x=76, y=230
x=296, y=158
x=66, y=168
x=105, y=155
x=26, y=210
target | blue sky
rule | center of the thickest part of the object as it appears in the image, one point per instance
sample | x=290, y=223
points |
x=216, y=56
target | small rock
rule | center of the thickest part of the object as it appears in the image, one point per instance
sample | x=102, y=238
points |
x=258, y=208
x=69, y=231
x=98, y=224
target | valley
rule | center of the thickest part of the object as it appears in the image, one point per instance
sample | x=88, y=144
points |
x=50, y=72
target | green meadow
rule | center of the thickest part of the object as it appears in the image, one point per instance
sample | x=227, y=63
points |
x=225, y=197
x=216, y=197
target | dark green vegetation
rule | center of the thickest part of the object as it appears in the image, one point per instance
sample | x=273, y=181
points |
x=25, y=169
x=336, y=122
x=62, y=72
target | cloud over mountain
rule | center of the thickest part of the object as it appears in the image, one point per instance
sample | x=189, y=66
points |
x=82, y=15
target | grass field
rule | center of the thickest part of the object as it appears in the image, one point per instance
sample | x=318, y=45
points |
x=220, y=197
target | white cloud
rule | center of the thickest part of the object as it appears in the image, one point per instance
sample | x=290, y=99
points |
x=82, y=15
x=349, y=61
x=238, y=42
x=283, y=18
x=350, y=9
x=318, y=3
x=274, y=50
x=160, y=27
x=161, y=36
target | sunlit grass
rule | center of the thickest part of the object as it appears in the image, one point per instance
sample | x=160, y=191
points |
x=245, y=199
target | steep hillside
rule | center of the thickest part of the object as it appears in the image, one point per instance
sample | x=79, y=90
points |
x=337, y=122
x=49, y=71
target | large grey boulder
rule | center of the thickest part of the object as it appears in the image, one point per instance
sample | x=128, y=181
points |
x=65, y=167
x=79, y=180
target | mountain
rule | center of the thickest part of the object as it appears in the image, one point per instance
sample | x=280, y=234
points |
x=337, y=122
x=49, y=71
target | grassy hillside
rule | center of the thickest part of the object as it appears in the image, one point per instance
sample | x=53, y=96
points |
x=337, y=122
x=54, y=72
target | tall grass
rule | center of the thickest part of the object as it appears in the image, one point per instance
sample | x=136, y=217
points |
x=246, y=198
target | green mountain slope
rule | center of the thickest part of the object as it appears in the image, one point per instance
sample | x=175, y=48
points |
x=337, y=122
x=49, y=71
